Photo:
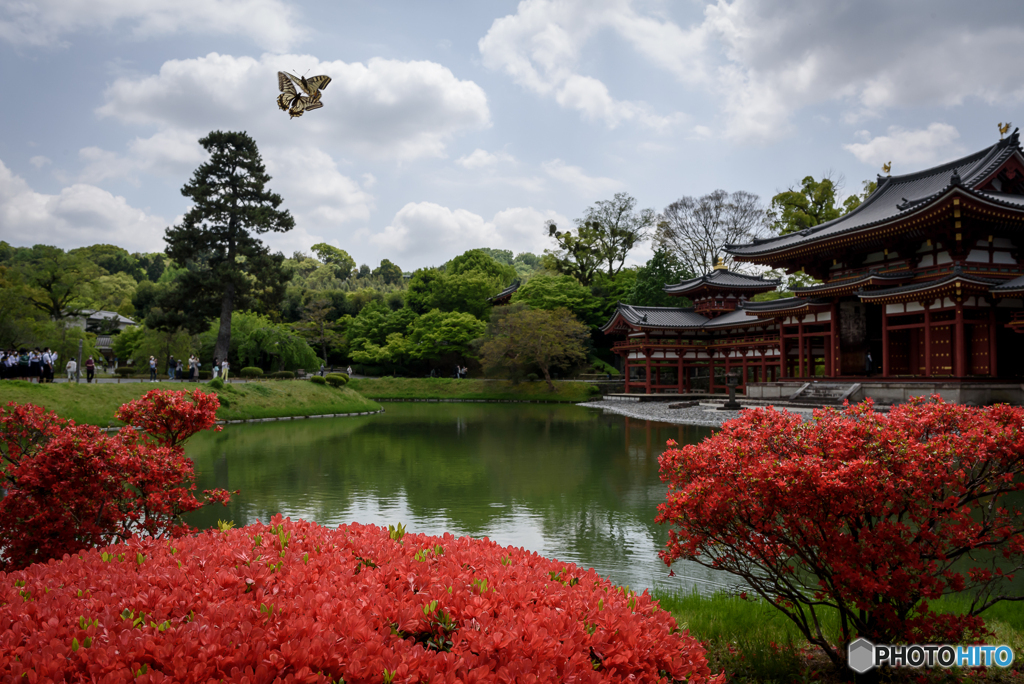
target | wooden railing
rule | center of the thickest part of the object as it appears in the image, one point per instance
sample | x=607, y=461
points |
x=676, y=344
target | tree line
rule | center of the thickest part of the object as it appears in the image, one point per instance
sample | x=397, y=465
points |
x=218, y=291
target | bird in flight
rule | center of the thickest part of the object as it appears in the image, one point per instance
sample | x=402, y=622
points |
x=293, y=102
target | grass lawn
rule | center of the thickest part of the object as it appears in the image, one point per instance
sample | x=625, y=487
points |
x=450, y=388
x=753, y=642
x=96, y=403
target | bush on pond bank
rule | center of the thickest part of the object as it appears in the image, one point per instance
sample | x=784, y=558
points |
x=303, y=602
x=857, y=512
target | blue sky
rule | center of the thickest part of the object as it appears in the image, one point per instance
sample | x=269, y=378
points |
x=455, y=125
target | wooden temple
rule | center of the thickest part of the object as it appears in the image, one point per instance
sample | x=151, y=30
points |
x=924, y=281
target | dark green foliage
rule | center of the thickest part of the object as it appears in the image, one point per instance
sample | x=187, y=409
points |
x=317, y=380
x=336, y=379
x=339, y=258
x=283, y=375
x=251, y=372
x=390, y=273
x=226, y=265
x=216, y=384
x=123, y=371
x=663, y=268
x=550, y=292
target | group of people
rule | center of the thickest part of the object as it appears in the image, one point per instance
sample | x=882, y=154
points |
x=28, y=364
x=177, y=369
x=39, y=365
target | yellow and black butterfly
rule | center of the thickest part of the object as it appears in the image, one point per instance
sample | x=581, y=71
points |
x=291, y=101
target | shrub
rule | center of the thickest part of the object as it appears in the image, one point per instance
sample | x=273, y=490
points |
x=594, y=389
x=216, y=384
x=854, y=511
x=71, y=486
x=251, y=372
x=301, y=602
x=205, y=374
x=123, y=371
x=337, y=379
x=318, y=380
x=532, y=377
x=283, y=375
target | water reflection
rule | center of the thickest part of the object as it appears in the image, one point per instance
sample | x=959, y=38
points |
x=568, y=482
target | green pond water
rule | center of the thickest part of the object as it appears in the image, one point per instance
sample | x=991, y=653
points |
x=568, y=482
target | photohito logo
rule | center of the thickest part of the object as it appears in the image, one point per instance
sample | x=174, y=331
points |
x=862, y=655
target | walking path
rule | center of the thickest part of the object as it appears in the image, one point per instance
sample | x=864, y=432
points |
x=706, y=415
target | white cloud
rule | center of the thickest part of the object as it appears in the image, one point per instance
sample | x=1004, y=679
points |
x=269, y=23
x=384, y=108
x=761, y=61
x=79, y=215
x=574, y=176
x=321, y=198
x=426, y=233
x=480, y=159
x=540, y=48
x=39, y=161
x=910, y=149
x=173, y=153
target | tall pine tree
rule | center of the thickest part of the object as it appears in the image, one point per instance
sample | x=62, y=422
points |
x=227, y=266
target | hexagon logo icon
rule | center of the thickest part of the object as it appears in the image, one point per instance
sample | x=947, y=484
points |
x=860, y=656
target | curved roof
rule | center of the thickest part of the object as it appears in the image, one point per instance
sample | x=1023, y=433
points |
x=721, y=279
x=655, y=317
x=899, y=196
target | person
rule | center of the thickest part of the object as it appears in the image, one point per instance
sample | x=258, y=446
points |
x=198, y=366
x=71, y=368
x=348, y=371
x=868, y=363
x=216, y=368
x=35, y=365
x=321, y=370
x=90, y=369
x=49, y=359
x=224, y=368
x=172, y=365
x=152, y=369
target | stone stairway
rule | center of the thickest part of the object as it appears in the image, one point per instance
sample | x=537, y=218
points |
x=822, y=393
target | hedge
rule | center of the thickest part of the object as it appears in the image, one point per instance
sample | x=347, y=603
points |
x=283, y=375
x=317, y=380
x=295, y=601
x=337, y=379
x=123, y=371
x=251, y=372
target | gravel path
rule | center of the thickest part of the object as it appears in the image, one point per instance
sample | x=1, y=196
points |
x=705, y=415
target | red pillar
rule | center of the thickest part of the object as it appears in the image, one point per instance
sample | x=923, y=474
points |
x=992, y=328
x=885, y=343
x=800, y=373
x=833, y=338
x=928, y=342
x=782, y=353
x=960, y=364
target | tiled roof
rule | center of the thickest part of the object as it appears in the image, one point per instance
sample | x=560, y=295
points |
x=853, y=282
x=656, y=317
x=734, y=319
x=897, y=196
x=507, y=292
x=725, y=280
x=924, y=286
x=1010, y=285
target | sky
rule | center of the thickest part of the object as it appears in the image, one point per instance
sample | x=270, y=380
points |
x=463, y=124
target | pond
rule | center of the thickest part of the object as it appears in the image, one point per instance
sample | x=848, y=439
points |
x=565, y=481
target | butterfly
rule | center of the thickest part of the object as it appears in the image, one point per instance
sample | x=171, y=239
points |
x=294, y=103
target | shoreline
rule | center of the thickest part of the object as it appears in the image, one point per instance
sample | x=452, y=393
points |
x=704, y=415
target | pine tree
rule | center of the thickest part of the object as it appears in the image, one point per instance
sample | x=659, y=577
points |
x=227, y=265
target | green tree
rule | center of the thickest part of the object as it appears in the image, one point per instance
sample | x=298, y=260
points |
x=854, y=201
x=317, y=325
x=662, y=269
x=813, y=203
x=389, y=272
x=270, y=344
x=111, y=259
x=226, y=263
x=480, y=261
x=550, y=292
x=336, y=257
x=519, y=338
x=57, y=282
x=605, y=235
x=502, y=256
x=448, y=335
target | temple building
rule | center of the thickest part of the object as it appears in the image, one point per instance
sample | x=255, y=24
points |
x=922, y=283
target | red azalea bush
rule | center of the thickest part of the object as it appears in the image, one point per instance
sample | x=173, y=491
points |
x=873, y=515
x=298, y=602
x=73, y=486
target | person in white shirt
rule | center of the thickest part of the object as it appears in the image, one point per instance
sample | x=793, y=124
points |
x=71, y=368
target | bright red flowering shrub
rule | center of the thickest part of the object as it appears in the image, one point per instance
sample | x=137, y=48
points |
x=72, y=486
x=871, y=514
x=300, y=602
